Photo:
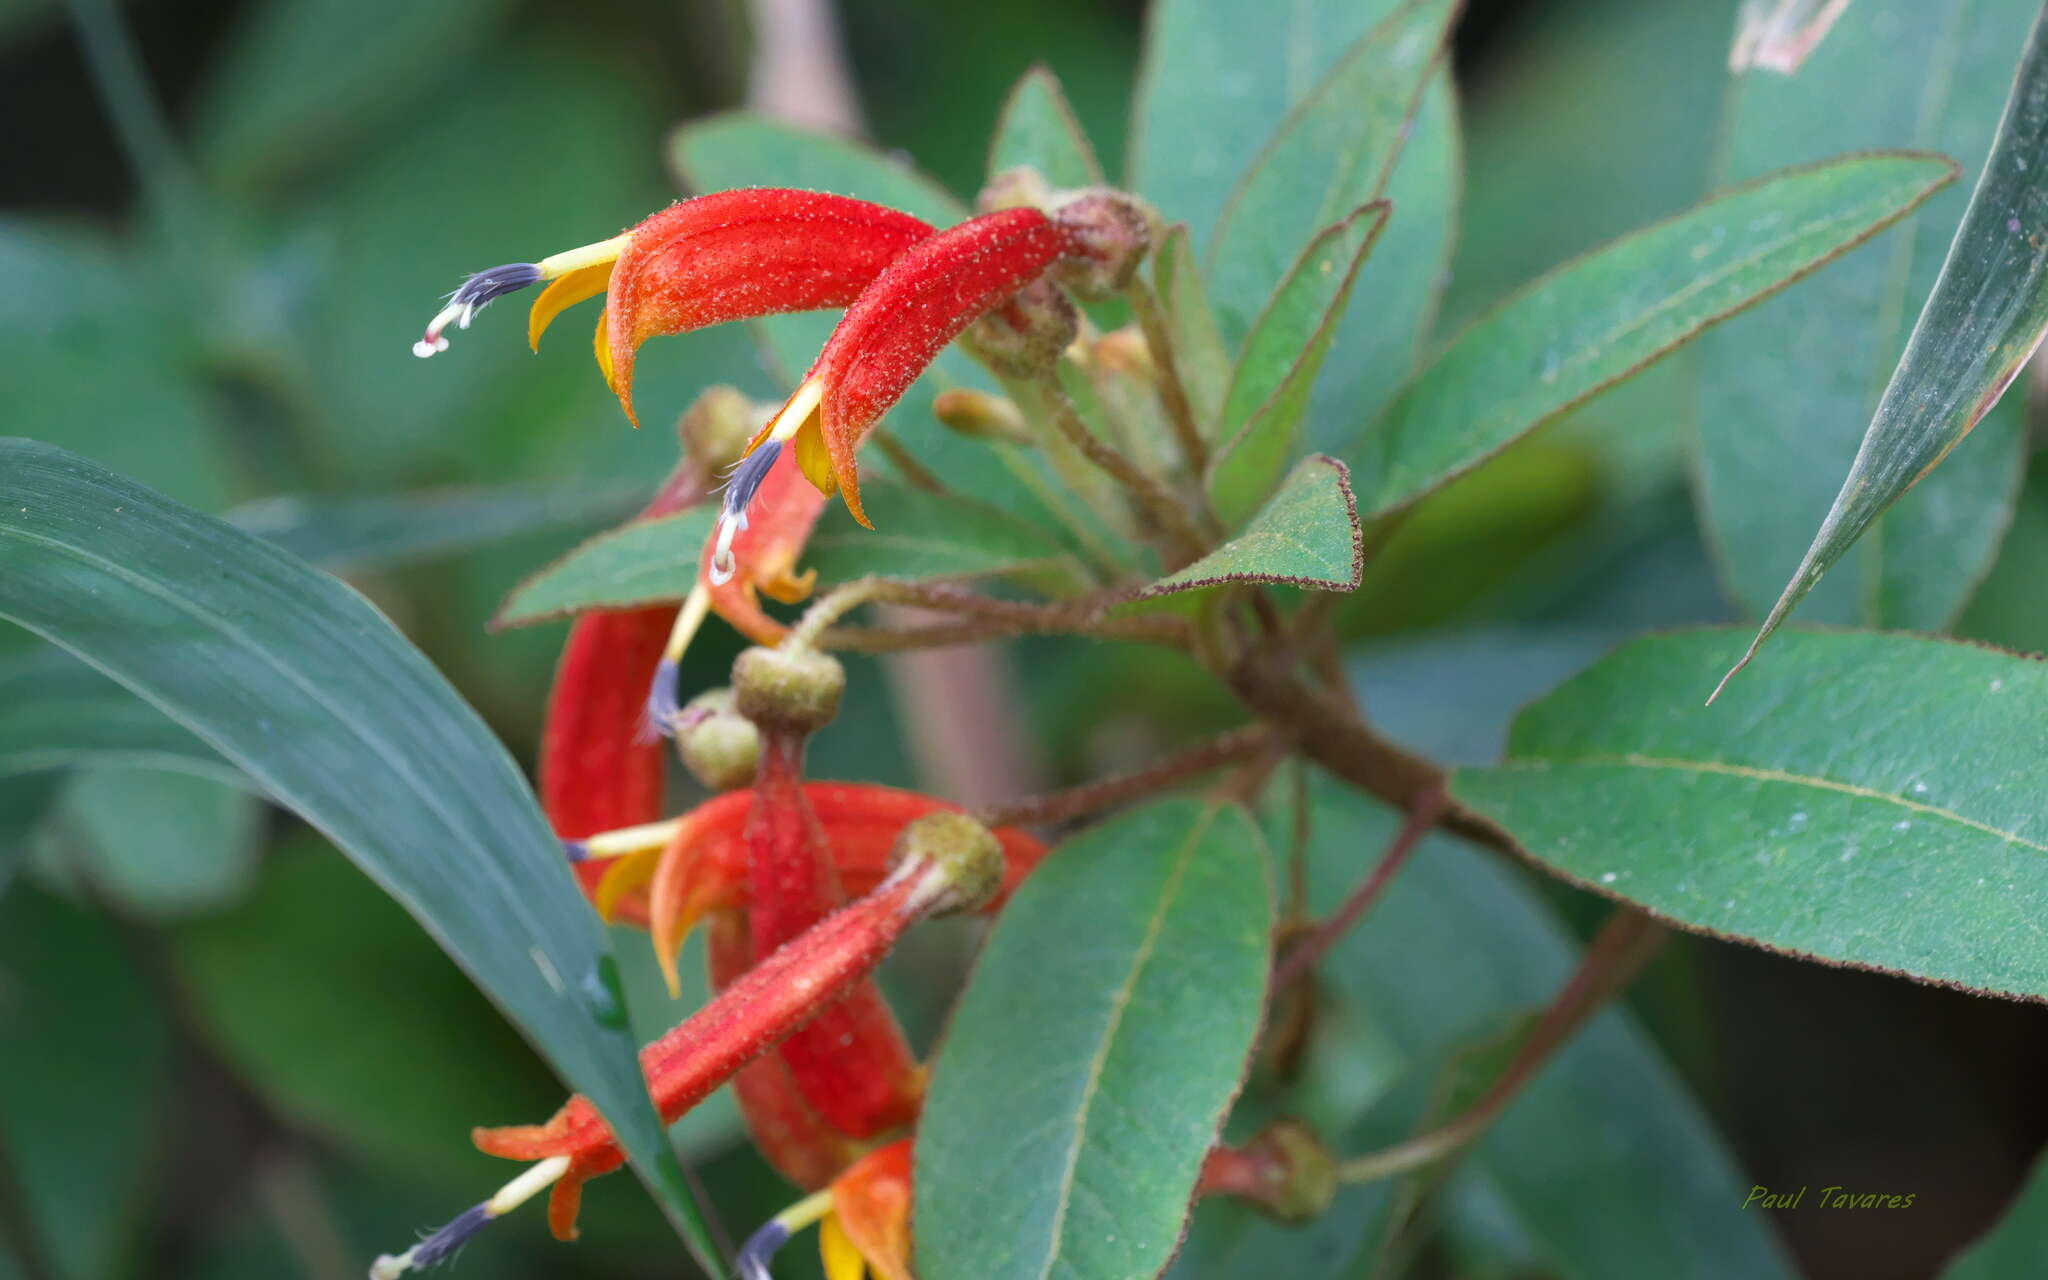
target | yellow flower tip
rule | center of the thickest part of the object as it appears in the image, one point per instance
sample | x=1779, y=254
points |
x=565, y=292
x=776, y=581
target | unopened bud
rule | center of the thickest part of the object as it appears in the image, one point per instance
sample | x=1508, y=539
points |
x=981, y=415
x=720, y=747
x=958, y=861
x=1108, y=235
x=1285, y=1172
x=717, y=426
x=794, y=688
x=1020, y=188
x=1125, y=351
x=1024, y=337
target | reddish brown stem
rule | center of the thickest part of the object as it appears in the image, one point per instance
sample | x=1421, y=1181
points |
x=1239, y=744
x=1309, y=952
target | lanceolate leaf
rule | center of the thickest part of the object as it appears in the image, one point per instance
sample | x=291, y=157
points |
x=1866, y=799
x=1270, y=388
x=1307, y=535
x=921, y=535
x=340, y=534
x=1335, y=153
x=1593, y=322
x=1782, y=395
x=1038, y=130
x=56, y=713
x=643, y=562
x=306, y=687
x=1101, y=1038
x=1217, y=78
x=1988, y=312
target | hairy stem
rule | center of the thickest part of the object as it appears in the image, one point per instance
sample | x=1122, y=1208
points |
x=985, y=618
x=1309, y=952
x=1238, y=745
x=1168, y=514
x=1624, y=944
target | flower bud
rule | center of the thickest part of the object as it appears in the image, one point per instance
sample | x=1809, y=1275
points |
x=981, y=415
x=958, y=861
x=1285, y=1172
x=1025, y=337
x=716, y=428
x=1125, y=352
x=794, y=689
x=720, y=747
x=1019, y=188
x=1108, y=235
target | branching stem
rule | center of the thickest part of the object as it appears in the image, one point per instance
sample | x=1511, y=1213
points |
x=1309, y=952
x=986, y=618
x=1168, y=514
x=1624, y=944
x=1247, y=743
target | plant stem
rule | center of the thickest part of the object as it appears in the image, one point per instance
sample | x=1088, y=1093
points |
x=1173, y=391
x=1239, y=744
x=1309, y=952
x=1168, y=514
x=132, y=106
x=987, y=618
x=1617, y=953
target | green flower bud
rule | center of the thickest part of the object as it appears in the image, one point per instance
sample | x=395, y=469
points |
x=795, y=689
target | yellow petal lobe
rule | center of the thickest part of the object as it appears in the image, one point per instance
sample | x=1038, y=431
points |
x=842, y=1260
x=565, y=292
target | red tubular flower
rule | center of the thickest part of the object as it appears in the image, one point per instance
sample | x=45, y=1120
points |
x=731, y=255
x=779, y=995
x=896, y=328
x=769, y=539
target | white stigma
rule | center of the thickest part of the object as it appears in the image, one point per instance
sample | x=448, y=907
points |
x=459, y=313
x=723, y=566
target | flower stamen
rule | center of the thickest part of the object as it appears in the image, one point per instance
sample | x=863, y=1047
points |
x=486, y=287
x=443, y=1245
x=761, y=1247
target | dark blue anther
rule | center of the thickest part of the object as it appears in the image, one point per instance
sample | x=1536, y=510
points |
x=747, y=476
x=662, y=705
x=443, y=1244
x=760, y=1249
x=486, y=287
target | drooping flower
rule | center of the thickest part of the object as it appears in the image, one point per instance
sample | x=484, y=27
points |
x=730, y=255
x=897, y=326
x=946, y=864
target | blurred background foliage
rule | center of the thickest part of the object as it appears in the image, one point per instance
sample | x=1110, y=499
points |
x=223, y=1053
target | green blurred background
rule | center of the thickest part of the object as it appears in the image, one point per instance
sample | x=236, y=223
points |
x=223, y=1053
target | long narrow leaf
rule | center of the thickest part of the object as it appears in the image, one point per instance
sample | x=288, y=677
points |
x=1987, y=314
x=302, y=684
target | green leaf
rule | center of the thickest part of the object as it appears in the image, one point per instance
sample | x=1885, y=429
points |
x=354, y=533
x=1269, y=390
x=1378, y=346
x=1100, y=1040
x=302, y=76
x=1777, y=434
x=307, y=688
x=1216, y=79
x=1038, y=130
x=85, y=1087
x=641, y=562
x=1191, y=325
x=1335, y=153
x=56, y=713
x=1593, y=322
x=159, y=843
x=1867, y=800
x=1307, y=535
x=921, y=534
x=2016, y=1244
x=1604, y=1168
x=1981, y=324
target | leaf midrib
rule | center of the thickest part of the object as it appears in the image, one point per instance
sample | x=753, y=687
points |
x=1183, y=858
x=1636, y=760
